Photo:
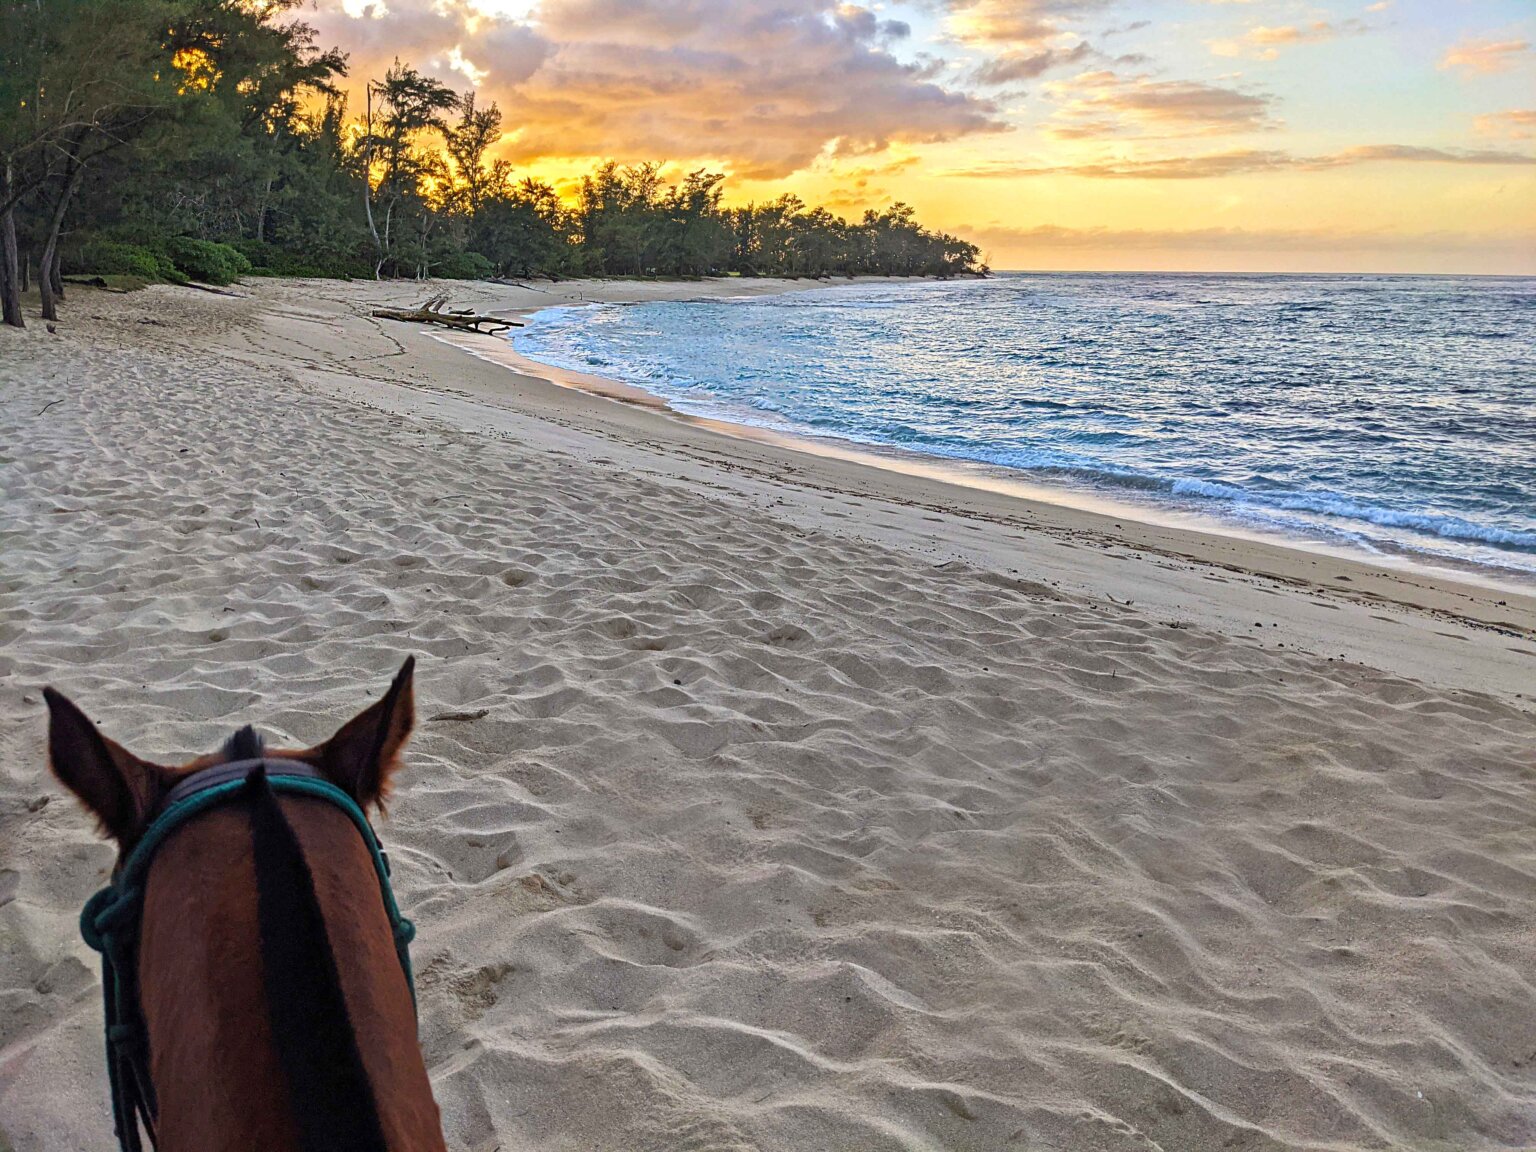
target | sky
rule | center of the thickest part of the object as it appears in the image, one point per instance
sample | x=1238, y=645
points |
x=1222, y=135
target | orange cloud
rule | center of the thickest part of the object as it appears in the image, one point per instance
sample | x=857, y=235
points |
x=1265, y=42
x=1248, y=161
x=1022, y=23
x=763, y=87
x=1104, y=103
x=1419, y=155
x=1484, y=57
x=1516, y=124
x=1219, y=239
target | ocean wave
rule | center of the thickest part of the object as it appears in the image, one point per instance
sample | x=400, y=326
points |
x=1394, y=422
x=1346, y=508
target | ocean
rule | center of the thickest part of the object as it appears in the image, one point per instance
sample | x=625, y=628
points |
x=1389, y=415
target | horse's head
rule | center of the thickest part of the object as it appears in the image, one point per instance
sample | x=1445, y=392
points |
x=258, y=982
x=123, y=791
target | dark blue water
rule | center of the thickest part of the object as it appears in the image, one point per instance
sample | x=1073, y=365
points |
x=1391, y=414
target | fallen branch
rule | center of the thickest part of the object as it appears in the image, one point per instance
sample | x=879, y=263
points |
x=104, y=284
x=433, y=312
x=475, y=714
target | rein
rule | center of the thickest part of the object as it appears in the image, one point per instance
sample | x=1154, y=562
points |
x=110, y=921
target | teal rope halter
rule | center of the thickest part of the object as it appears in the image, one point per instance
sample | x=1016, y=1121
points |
x=110, y=922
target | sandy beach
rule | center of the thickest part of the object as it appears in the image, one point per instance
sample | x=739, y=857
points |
x=764, y=798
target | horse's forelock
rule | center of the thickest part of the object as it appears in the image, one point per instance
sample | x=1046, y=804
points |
x=245, y=744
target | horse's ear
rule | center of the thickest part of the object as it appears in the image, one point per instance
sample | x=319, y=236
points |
x=365, y=752
x=120, y=789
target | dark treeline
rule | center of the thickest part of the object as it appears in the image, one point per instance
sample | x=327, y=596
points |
x=204, y=139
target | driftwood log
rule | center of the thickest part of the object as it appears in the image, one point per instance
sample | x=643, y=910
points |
x=435, y=311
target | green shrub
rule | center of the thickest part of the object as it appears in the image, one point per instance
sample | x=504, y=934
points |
x=112, y=258
x=206, y=261
x=464, y=266
x=109, y=259
x=270, y=260
x=168, y=270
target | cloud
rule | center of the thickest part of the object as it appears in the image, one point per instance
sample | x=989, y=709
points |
x=1080, y=130
x=427, y=34
x=1168, y=107
x=853, y=201
x=1290, y=34
x=1419, y=155
x=1335, y=244
x=762, y=86
x=1220, y=239
x=1516, y=124
x=1020, y=23
x=1013, y=66
x=1249, y=161
x=859, y=188
x=1265, y=43
x=1235, y=163
x=1026, y=38
x=1484, y=57
x=887, y=168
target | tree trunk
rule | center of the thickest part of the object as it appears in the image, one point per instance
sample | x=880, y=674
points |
x=45, y=293
x=46, y=266
x=389, y=214
x=10, y=265
x=57, y=272
x=372, y=227
x=368, y=182
x=261, y=214
x=10, y=273
x=433, y=313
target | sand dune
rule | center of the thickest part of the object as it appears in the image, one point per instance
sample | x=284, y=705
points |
x=733, y=825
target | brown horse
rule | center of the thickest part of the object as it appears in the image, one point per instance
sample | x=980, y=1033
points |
x=277, y=1012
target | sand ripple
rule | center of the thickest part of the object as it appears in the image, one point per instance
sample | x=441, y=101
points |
x=726, y=834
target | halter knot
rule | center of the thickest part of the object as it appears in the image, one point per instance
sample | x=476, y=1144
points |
x=107, y=916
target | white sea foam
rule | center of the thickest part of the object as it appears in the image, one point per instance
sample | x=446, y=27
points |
x=1351, y=408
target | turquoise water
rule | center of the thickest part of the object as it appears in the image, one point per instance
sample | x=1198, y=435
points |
x=1391, y=414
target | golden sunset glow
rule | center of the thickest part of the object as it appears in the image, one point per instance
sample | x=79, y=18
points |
x=198, y=73
x=1266, y=134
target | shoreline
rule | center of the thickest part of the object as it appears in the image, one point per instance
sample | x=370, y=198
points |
x=993, y=478
x=1175, y=572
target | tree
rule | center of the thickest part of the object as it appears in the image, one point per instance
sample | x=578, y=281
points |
x=467, y=144
x=138, y=136
x=411, y=107
x=78, y=78
x=523, y=230
x=697, y=239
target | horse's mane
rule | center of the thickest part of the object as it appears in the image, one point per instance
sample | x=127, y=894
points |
x=332, y=1100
